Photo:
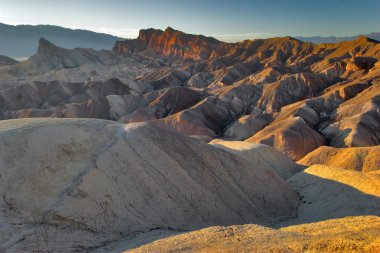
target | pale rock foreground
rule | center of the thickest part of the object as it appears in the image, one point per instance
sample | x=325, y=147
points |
x=78, y=184
x=350, y=234
x=262, y=155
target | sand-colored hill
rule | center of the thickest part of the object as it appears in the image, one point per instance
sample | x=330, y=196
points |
x=360, y=158
x=351, y=234
x=261, y=155
x=86, y=182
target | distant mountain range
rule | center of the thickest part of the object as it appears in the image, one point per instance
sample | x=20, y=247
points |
x=21, y=41
x=333, y=39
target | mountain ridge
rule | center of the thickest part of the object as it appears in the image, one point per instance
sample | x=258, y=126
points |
x=336, y=39
x=21, y=41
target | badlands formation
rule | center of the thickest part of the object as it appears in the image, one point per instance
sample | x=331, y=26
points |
x=174, y=142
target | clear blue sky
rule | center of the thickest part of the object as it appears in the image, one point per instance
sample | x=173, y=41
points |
x=229, y=20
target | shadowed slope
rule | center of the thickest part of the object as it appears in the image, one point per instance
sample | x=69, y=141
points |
x=328, y=192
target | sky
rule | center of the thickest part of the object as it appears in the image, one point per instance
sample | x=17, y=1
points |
x=231, y=20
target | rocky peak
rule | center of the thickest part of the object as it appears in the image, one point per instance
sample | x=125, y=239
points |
x=45, y=46
x=145, y=35
x=170, y=42
x=170, y=30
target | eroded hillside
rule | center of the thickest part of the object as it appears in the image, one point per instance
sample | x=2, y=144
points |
x=277, y=91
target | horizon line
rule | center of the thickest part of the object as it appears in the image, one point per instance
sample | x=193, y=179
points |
x=132, y=33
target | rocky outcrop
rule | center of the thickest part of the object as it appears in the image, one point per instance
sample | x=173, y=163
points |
x=104, y=180
x=170, y=42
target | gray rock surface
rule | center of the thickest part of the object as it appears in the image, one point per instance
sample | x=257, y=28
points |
x=96, y=180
